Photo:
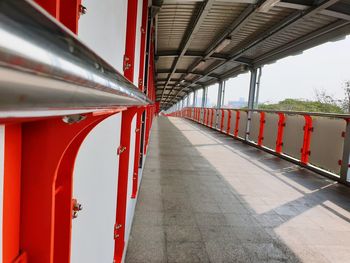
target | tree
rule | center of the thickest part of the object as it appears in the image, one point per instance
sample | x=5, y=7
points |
x=346, y=100
x=323, y=97
x=302, y=105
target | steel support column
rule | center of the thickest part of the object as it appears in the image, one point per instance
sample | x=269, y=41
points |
x=220, y=94
x=194, y=103
x=258, y=88
x=204, y=97
x=219, y=101
x=251, y=98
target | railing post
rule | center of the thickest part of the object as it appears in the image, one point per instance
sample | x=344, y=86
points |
x=137, y=153
x=281, y=125
x=344, y=170
x=222, y=120
x=261, y=128
x=305, y=151
x=124, y=155
x=228, y=122
x=238, y=113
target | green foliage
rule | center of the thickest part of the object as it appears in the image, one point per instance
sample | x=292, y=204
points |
x=302, y=105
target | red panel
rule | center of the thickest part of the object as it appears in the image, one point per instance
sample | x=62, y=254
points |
x=12, y=192
x=261, y=130
x=305, y=151
x=238, y=113
x=49, y=148
x=137, y=153
x=129, y=58
x=69, y=14
x=281, y=125
x=222, y=120
x=228, y=122
x=51, y=6
x=143, y=44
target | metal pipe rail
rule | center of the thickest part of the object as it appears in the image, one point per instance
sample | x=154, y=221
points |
x=317, y=141
x=46, y=70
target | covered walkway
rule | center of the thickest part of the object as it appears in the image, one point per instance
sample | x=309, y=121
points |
x=206, y=197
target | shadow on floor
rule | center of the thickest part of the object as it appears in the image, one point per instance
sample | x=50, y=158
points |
x=206, y=197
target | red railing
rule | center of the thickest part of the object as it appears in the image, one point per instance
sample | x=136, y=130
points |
x=316, y=141
x=52, y=97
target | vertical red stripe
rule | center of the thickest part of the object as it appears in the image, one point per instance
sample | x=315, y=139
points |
x=305, y=151
x=12, y=192
x=261, y=130
x=281, y=125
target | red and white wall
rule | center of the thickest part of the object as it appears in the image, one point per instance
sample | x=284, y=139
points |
x=96, y=166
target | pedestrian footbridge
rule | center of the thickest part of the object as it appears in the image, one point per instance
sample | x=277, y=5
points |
x=110, y=153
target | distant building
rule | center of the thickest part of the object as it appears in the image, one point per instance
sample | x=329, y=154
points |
x=237, y=104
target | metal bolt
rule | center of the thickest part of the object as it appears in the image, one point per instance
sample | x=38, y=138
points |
x=121, y=149
x=70, y=119
x=75, y=215
x=118, y=226
x=77, y=207
x=82, y=9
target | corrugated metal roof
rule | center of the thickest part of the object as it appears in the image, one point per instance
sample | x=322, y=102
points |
x=202, y=41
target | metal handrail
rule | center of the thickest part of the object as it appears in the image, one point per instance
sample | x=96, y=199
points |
x=44, y=67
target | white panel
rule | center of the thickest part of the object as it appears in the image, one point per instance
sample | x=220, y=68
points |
x=218, y=119
x=214, y=117
x=201, y=115
x=233, y=122
x=95, y=187
x=326, y=147
x=271, y=130
x=138, y=42
x=103, y=28
x=254, y=127
x=242, y=126
x=2, y=159
x=293, y=135
x=130, y=208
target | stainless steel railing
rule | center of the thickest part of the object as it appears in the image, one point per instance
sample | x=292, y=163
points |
x=44, y=67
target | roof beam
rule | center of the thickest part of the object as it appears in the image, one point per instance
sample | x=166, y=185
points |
x=340, y=10
x=283, y=25
x=185, y=72
x=175, y=54
x=317, y=37
x=191, y=32
x=234, y=27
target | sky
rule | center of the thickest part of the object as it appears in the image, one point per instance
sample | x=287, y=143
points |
x=323, y=67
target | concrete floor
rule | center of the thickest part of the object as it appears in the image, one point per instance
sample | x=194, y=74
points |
x=206, y=197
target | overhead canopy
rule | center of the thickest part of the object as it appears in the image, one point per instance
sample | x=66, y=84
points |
x=200, y=42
